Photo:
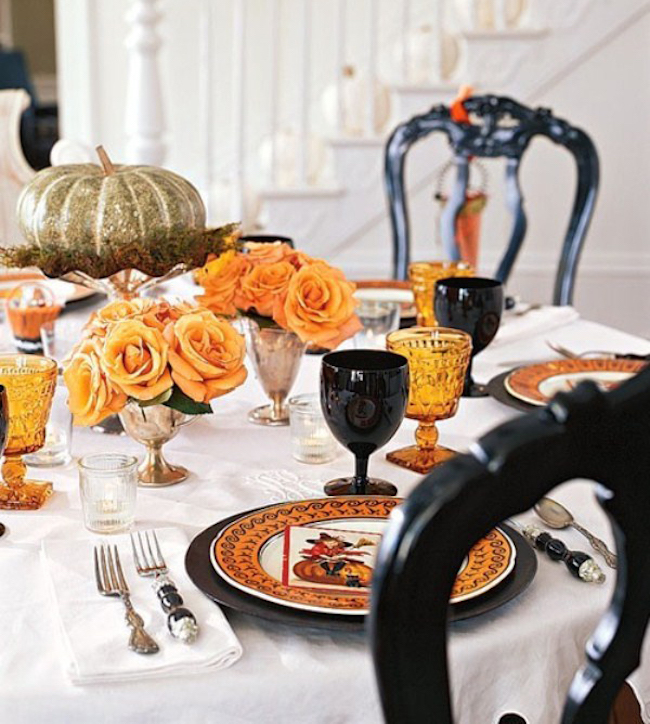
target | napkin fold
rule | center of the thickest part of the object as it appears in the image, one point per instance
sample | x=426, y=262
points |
x=515, y=327
x=95, y=634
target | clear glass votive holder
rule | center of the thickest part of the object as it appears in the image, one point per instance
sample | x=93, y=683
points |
x=108, y=483
x=378, y=318
x=311, y=440
x=57, y=449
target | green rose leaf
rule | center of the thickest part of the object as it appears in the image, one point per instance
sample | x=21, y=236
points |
x=178, y=400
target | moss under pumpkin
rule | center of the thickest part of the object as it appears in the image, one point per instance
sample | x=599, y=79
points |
x=154, y=255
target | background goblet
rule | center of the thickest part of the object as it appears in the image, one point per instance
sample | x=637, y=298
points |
x=423, y=276
x=29, y=382
x=474, y=305
x=438, y=358
x=363, y=396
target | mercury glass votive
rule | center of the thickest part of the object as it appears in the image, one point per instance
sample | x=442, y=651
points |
x=108, y=483
x=423, y=276
x=311, y=439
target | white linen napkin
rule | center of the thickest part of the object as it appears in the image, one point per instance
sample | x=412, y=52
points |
x=515, y=327
x=95, y=633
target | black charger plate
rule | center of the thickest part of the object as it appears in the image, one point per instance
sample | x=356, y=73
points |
x=206, y=579
x=496, y=388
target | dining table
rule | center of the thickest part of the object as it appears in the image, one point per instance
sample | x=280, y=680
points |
x=519, y=658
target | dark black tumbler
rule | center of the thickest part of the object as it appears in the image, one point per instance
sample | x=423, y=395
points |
x=474, y=305
x=363, y=396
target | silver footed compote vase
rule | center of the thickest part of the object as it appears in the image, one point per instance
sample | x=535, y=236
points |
x=153, y=426
x=276, y=354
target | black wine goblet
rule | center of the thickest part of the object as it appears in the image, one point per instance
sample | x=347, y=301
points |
x=363, y=395
x=474, y=305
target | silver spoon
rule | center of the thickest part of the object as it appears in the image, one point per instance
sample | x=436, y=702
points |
x=557, y=516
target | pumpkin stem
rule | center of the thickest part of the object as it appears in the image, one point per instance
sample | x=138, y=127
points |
x=106, y=162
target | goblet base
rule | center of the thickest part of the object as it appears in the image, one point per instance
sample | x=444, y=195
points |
x=161, y=477
x=475, y=390
x=264, y=415
x=420, y=460
x=30, y=495
x=346, y=486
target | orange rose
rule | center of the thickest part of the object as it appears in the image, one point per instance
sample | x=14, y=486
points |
x=114, y=311
x=163, y=313
x=318, y=306
x=91, y=396
x=258, y=289
x=266, y=253
x=206, y=355
x=134, y=357
x=299, y=259
x=220, y=280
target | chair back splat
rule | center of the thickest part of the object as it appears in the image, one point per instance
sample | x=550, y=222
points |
x=505, y=130
x=582, y=434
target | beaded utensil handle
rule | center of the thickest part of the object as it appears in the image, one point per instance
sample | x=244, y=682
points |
x=580, y=564
x=181, y=622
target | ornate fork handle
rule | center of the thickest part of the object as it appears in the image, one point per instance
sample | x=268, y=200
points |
x=139, y=641
x=598, y=545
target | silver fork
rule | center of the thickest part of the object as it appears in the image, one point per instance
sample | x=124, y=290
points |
x=149, y=561
x=111, y=582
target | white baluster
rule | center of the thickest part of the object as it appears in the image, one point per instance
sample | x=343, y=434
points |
x=275, y=86
x=475, y=14
x=372, y=66
x=207, y=106
x=499, y=14
x=238, y=107
x=6, y=24
x=305, y=95
x=144, y=121
x=341, y=39
x=406, y=40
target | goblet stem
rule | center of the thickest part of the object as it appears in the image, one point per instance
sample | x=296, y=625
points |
x=278, y=411
x=360, y=475
x=155, y=471
x=16, y=493
x=426, y=436
x=14, y=471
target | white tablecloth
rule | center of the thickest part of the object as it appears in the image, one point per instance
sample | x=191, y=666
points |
x=519, y=658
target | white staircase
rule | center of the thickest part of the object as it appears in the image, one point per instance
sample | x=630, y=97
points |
x=238, y=86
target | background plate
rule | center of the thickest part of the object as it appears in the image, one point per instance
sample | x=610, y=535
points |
x=200, y=571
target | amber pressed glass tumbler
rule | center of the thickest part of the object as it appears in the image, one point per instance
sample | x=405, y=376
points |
x=29, y=382
x=438, y=359
x=423, y=276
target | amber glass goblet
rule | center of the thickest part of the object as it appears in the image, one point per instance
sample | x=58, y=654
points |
x=423, y=276
x=29, y=382
x=438, y=359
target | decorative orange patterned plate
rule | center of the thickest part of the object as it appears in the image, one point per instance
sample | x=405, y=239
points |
x=538, y=383
x=248, y=553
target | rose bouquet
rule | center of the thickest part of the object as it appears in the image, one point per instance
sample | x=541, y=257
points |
x=277, y=285
x=152, y=352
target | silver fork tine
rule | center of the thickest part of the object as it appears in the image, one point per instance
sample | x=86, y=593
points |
x=145, y=561
x=160, y=560
x=136, y=557
x=98, y=576
x=111, y=568
x=106, y=581
x=152, y=558
x=120, y=572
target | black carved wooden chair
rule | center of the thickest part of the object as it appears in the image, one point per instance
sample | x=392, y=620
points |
x=505, y=130
x=582, y=434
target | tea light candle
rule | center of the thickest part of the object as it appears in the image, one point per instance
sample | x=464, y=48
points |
x=311, y=440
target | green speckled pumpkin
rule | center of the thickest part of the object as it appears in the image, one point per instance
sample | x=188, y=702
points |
x=87, y=209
